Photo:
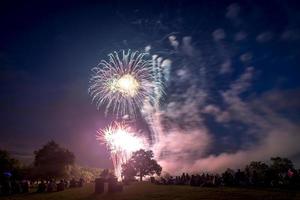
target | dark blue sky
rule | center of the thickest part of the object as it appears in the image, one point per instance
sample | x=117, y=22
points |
x=243, y=57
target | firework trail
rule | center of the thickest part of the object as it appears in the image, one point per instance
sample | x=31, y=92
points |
x=125, y=82
x=121, y=142
x=151, y=110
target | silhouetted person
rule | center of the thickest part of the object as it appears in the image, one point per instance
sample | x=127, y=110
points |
x=51, y=187
x=218, y=180
x=152, y=179
x=16, y=187
x=228, y=178
x=193, y=181
x=105, y=174
x=61, y=186
x=25, y=186
x=72, y=183
x=112, y=185
x=81, y=182
x=66, y=183
x=237, y=177
x=6, y=186
x=187, y=179
x=41, y=187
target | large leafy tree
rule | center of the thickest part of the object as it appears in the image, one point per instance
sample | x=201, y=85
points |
x=141, y=164
x=53, y=161
x=128, y=171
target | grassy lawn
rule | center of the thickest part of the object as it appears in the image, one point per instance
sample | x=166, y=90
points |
x=143, y=191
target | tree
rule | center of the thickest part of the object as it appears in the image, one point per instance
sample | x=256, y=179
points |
x=281, y=165
x=279, y=170
x=9, y=165
x=141, y=164
x=128, y=171
x=87, y=173
x=257, y=172
x=228, y=177
x=53, y=161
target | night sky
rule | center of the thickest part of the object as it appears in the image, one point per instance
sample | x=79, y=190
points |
x=233, y=93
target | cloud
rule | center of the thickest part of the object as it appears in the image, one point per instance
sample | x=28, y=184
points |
x=282, y=100
x=178, y=148
x=290, y=35
x=183, y=74
x=173, y=42
x=226, y=67
x=264, y=37
x=241, y=84
x=277, y=136
x=235, y=107
x=246, y=57
x=187, y=47
x=233, y=11
x=192, y=141
x=280, y=140
x=218, y=34
x=147, y=48
x=220, y=116
x=184, y=110
x=239, y=36
x=187, y=148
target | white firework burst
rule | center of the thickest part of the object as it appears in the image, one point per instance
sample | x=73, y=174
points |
x=121, y=141
x=125, y=82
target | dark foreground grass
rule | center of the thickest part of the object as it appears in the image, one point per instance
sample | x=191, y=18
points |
x=144, y=191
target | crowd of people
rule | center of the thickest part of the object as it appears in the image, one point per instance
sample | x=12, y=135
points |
x=8, y=187
x=11, y=186
x=290, y=179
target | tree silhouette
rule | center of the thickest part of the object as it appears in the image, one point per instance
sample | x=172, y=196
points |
x=141, y=164
x=228, y=177
x=7, y=163
x=257, y=171
x=52, y=161
x=279, y=169
x=281, y=165
x=128, y=171
x=9, y=166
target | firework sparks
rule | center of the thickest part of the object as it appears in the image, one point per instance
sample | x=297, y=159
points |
x=121, y=142
x=127, y=83
x=124, y=82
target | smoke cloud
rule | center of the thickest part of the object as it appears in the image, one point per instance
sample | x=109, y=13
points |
x=185, y=141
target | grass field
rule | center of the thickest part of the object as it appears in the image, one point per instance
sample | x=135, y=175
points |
x=144, y=191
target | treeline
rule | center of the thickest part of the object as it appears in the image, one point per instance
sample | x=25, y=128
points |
x=52, y=164
x=279, y=173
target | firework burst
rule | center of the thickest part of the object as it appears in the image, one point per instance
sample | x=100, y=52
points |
x=121, y=142
x=127, y=83
x=124, y=82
